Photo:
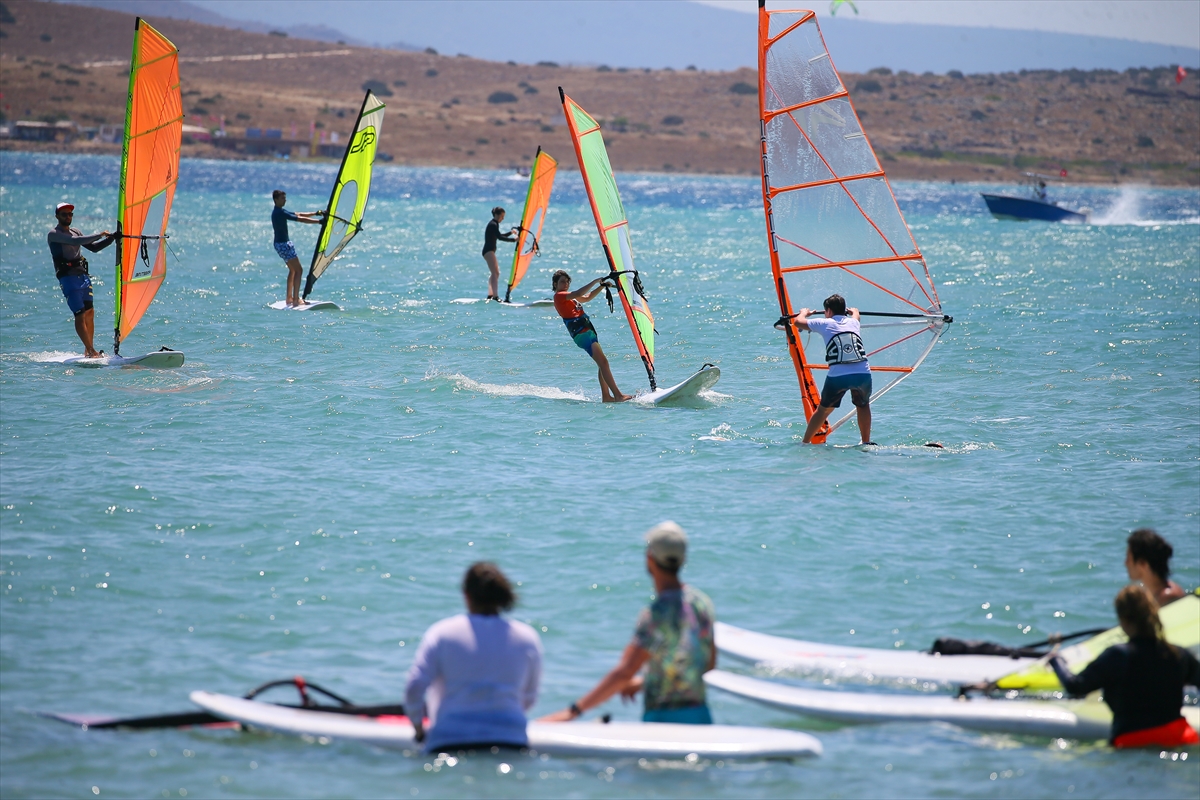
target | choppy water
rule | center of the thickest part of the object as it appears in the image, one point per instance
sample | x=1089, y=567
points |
x=304, y=495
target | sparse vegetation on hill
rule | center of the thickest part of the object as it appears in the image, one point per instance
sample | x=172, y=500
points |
x=446, y=110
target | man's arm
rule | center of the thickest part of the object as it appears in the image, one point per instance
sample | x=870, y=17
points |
x=802, y=319
x=854, y=314
x=420, y=675
x=619, y=679
x=58, y=237
x=310, y=217
x=1093, y=677
x=97, y=246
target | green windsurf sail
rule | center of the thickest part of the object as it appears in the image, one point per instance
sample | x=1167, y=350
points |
x=348, y=200
x=612, y=225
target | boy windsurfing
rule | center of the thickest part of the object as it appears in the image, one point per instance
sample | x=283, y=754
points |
x=848, y=367
x=568, y=305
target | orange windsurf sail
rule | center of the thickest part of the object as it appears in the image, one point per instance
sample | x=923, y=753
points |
x=149, y=171
x=537, y=201
x=833, y=224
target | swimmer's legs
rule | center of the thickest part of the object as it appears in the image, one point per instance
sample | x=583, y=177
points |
x=608, y=384
x=493, y=275
x=295, y=272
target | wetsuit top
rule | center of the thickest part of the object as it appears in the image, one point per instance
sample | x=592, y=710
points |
x=574, y=317
x=279, y=221
x=844, y=350
x=1142, y=680
x=64, y=249
x=491, y=234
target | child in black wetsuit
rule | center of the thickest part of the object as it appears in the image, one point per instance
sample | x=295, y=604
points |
x=491, y=235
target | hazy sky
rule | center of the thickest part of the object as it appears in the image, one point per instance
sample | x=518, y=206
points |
x=1174, y=22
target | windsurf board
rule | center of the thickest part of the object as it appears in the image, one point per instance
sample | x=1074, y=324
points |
x=161, y=359
x=615, y=739
x=319, y=305
x=681, y=393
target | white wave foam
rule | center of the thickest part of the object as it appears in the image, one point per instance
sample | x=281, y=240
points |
x=1127, y=210
x=51, y=356
x=462, y=382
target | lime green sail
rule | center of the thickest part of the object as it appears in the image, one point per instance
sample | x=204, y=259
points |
x=348, y=201
x=612, y=224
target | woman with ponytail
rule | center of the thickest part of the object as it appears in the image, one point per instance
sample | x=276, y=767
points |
x=1142, y=679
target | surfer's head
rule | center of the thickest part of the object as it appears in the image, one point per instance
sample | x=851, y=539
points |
x=1138, y=613
x=666, y=544
x=498, y=213
x=279, y=196
x=487, y=589
x=64, y=212
x=836, y=305
x=561, y=274
x=1148, y=548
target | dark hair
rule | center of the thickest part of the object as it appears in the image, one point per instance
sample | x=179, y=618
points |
x=1146, y=545
x=497, y=211
x=558, y=273
x=836, y=303
x=488, y=589
x=1138, y=611
x=278, y=193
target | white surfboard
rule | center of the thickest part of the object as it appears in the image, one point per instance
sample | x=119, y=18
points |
x=634, y=739
x=1086, y=719
x=162, y=359
x=681, y=393
x=540, y=303
x=319, y=305
x=861, y=663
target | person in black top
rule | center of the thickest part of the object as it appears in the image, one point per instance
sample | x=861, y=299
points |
x=491, y=235
x=71, y=269
x=1142, y=679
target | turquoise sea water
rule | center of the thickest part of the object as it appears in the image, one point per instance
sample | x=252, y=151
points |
x=305, y=493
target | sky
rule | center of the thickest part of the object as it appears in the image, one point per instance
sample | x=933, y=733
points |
x=1174, y=22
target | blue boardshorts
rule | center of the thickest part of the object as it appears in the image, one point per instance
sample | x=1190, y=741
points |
x=688, y=715
x=858, y=385
x=586, y=340
x=286, y=250
x=78, y=291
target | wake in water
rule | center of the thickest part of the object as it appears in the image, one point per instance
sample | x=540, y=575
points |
x=461, y=382
x=51, y=356
x=1127, y=210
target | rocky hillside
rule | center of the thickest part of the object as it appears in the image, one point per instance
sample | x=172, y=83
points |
x=453, y=110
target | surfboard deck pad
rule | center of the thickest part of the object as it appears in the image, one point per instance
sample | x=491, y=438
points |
x=162, y=359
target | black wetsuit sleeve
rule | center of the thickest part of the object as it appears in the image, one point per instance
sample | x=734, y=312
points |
x=1100, y=673
x=505, y=237
x=97, y=246
x=1191, y=667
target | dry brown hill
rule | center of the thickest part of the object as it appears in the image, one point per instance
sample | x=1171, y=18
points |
x=1102, y=126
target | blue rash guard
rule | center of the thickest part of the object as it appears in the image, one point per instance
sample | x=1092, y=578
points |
x=279, y=221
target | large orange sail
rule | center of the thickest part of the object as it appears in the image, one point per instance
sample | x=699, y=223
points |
x=833, y=224
x=537, y=201
x=149, y=171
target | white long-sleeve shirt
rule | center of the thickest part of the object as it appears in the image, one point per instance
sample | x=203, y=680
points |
x=475, y=676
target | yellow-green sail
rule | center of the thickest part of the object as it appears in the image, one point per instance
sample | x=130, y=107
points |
x=1181, y=625
x=348, y=201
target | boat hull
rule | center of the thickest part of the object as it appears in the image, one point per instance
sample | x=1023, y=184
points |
x=1023, y=208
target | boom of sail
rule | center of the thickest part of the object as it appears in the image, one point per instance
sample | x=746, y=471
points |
x=612, y=225
x=833, y=224
x=348, y=200
x=541, y=181
x=149, y=172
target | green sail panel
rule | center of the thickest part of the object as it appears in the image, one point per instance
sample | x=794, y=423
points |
x=611, y=223
x=348, y=200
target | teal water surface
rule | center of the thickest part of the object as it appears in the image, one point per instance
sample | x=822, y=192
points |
x=303, y=496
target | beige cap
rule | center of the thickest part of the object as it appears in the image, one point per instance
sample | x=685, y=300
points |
x=667, y=544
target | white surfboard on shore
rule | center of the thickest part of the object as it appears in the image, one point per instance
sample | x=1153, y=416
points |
x=631, y=739
x=161, y=359
x=319, y=305
x=682, y=393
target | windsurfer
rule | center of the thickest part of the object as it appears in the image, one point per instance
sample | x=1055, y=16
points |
x=283, y=243
x=491, y=235
x=673, y=640
x=1142, y=679
x=71, y=269
x=568, y=305
x=848, y=367
x=480, y=671
x=1147, y=560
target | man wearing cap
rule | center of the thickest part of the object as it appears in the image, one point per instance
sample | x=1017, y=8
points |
x=71, y=269
x=673, y=640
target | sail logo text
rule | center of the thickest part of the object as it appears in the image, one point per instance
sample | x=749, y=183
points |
x=365, y=138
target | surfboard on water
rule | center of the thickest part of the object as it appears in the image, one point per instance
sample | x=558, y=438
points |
x=1086, y=719
x=348, y=199
x=632, y=739
x=163, y=359
x=539, y=303
x=320, y=305
x=832, y=221
x=863, y=664
x=682, y=393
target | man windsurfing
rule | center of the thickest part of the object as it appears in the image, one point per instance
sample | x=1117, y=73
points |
x=583, y=333
x=71, y=269
x=848, y=367
x=283, y=243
